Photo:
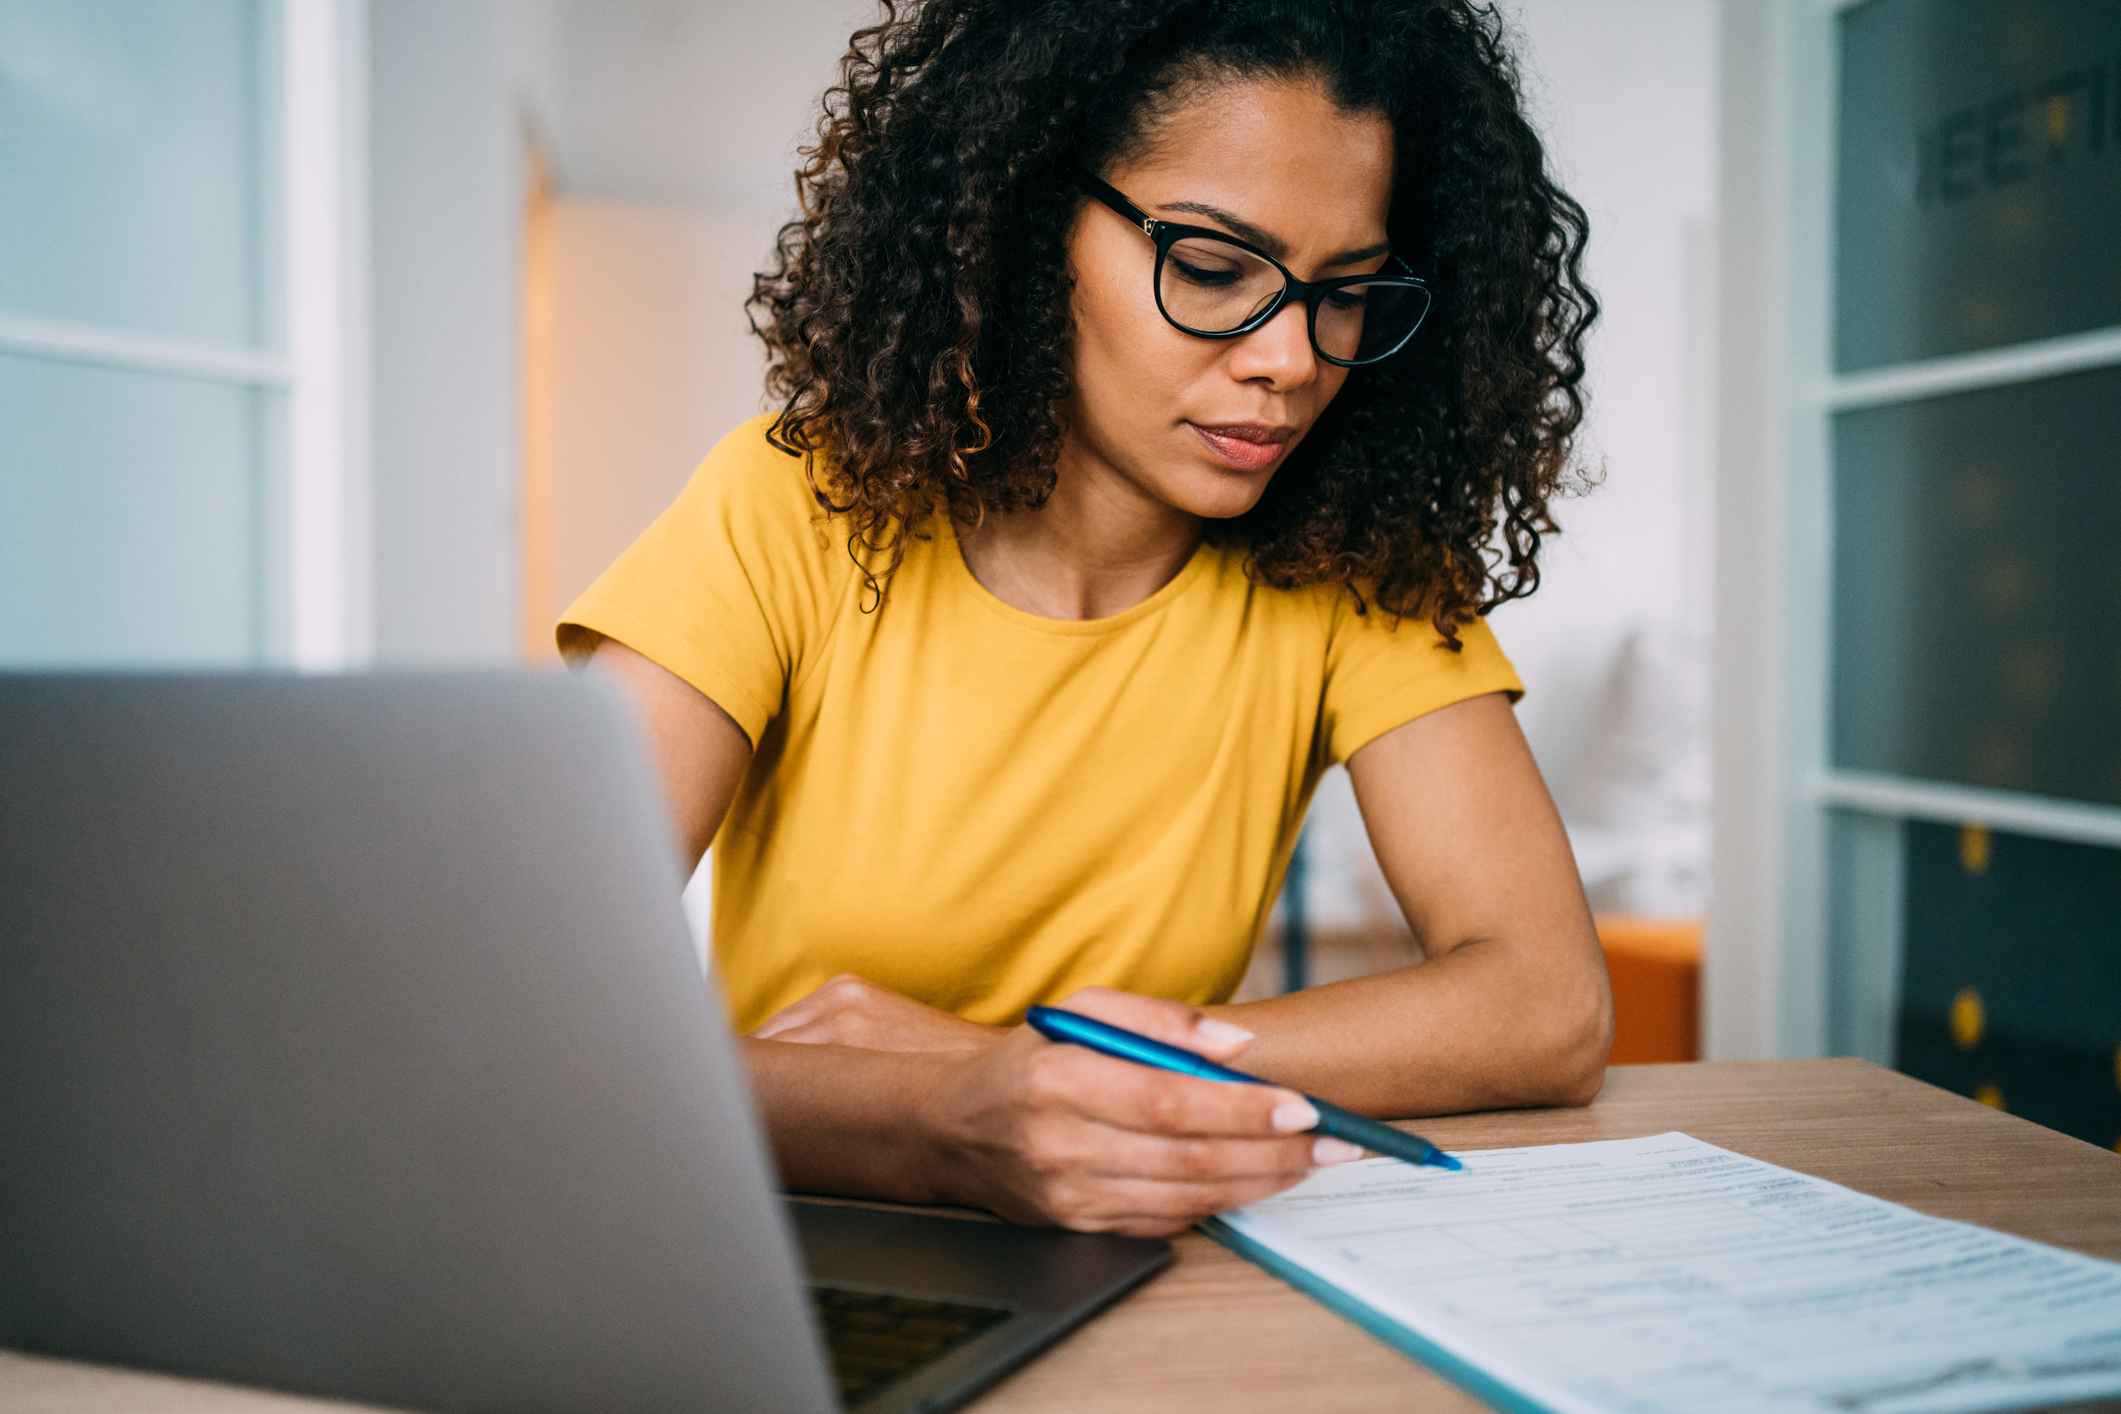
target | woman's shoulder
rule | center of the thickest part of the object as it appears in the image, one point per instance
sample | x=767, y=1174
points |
x=745, y=522
x=754, y=500
x=749, y=471
x=1329, y=610
x=730, y=586
x=1360, y=636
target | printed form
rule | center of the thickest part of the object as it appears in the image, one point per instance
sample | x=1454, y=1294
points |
x=1665, y=1274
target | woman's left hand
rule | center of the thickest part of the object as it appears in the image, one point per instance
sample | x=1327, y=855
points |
x=853, y=1011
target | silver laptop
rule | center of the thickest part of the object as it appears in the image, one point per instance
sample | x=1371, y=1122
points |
x=352, y=1042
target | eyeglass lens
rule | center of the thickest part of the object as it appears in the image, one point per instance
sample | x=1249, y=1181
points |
x=1213, y=287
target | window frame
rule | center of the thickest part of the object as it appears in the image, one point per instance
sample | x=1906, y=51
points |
x=314, y=560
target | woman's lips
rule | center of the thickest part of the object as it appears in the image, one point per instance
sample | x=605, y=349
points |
x=1246, y=447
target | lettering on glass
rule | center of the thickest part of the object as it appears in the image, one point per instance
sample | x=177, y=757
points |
x=2016, y=136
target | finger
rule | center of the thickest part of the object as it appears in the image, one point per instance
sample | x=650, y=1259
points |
x=1173, y=1023
x=1130, y=1154
x=1148, y=1208
x=1125, y=1095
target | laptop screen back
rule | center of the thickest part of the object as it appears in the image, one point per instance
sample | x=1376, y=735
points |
x=351, y=1041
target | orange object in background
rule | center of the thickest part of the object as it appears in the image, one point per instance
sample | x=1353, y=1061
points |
x=1656, y=969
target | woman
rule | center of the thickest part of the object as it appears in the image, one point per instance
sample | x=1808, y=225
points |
x=1120, y=486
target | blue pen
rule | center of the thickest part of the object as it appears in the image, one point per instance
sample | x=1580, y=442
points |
x=1079, y=1030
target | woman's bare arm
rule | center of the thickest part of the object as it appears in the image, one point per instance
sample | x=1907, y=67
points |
x=700, y=752
x=1511, y=1006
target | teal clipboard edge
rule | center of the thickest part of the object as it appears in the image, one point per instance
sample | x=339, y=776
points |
x=1458, y=1370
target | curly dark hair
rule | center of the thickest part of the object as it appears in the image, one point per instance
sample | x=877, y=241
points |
x=918, y=314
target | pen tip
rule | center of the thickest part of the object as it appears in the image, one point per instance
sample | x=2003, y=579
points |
x=1445, y=1161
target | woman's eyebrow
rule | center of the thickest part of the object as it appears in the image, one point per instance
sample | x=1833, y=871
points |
x=1271, y=244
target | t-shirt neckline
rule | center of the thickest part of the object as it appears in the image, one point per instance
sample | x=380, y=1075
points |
x=1189, y=573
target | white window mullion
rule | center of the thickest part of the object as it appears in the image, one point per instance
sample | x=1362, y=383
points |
x=2039, y=815
x=330, y=591
x=1969, y=372
x=152, y=353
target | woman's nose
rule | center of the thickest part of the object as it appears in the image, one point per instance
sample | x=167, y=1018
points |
x=1279, y=351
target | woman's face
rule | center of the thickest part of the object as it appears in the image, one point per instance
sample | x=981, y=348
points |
x=1201, y=425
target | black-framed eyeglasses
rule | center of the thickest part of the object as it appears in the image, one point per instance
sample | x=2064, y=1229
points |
x=1215, y=286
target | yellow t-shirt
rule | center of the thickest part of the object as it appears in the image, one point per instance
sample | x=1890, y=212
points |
x=979, y=807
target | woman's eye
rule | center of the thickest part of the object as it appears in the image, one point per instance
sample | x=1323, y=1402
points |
x=1350, y=300
x=1213, y=277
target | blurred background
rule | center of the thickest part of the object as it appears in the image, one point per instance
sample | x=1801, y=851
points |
x=349, y=333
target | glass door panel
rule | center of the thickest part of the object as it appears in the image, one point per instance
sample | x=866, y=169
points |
x=1978, y=198
x=133, y=185
x=1977, y=588
x=130, y=518
x=2013, y=976
x=142, y=474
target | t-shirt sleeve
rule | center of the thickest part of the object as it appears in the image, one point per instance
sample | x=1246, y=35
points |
x=729, y=587
x=1382, y=673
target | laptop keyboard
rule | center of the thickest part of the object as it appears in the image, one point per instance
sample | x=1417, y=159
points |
x=874, y=1337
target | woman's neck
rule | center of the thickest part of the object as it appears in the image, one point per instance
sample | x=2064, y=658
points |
x=1099, y=546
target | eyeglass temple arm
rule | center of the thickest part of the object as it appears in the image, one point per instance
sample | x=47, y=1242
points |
x=1109, y=195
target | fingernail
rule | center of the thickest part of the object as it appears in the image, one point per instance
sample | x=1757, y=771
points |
x=1218, y=1030
x=1295, y=1116
x=1329, y=1150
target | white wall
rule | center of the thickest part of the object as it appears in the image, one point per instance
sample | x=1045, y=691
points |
x=1764, y=985
x=651, y=365
x=694, y=103
x=672, y=128
x=446, y=210
x=1624, y=92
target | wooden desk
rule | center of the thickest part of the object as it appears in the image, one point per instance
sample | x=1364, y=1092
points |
x=1215, y=1332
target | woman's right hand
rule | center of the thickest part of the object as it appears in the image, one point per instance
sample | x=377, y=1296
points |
x=1056, y=1134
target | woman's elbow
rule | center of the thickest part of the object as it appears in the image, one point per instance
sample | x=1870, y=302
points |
x=1579, y=1041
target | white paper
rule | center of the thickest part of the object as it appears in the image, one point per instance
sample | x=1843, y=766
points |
x=1665, y=1274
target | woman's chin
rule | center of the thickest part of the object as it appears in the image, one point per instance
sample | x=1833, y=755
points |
x=1217, y=495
